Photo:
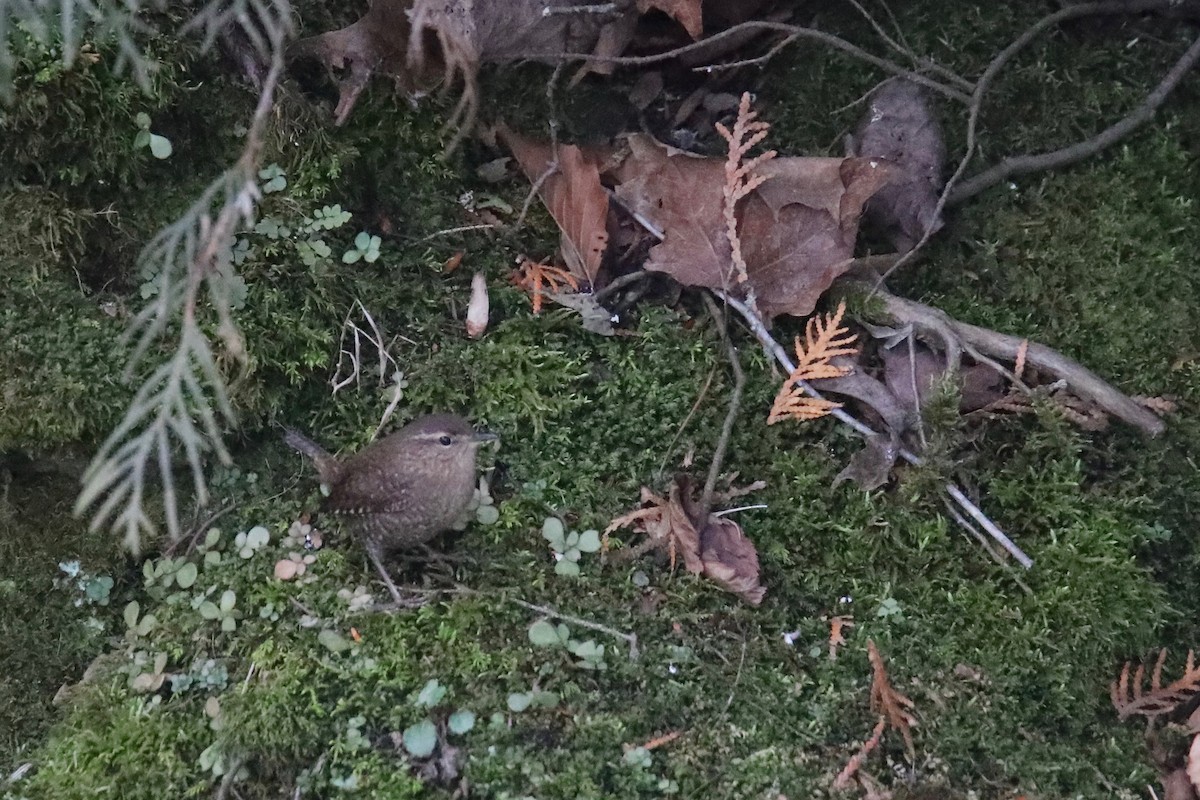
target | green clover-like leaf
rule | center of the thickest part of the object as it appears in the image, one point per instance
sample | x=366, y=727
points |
x=420, y=740
x=186, y=576
x=431, y=694
x=553, y=532
x=160, y=146
x=333, y=641
x=461, y=721
x=543, y=634
x=589, y=541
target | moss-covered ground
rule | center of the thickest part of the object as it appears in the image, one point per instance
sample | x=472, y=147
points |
x=1008, y=670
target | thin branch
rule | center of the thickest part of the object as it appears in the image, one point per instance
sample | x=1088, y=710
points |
x=775, y=349
x=1082, y=382
x=735, y=405
x=984, y=84
x=1025, y=164
x=631, y=638
x=798, y=31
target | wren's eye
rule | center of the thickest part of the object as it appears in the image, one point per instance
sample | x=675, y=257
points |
x=446, y=440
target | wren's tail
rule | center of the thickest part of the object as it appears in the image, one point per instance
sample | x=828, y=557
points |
x=327, y=464
x=298, y=441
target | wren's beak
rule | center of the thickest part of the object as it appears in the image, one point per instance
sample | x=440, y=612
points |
x=484, y=436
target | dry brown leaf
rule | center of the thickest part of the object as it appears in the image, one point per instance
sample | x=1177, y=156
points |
x=1130, y=697
x=1193, y=764
x=893, y=705
x=573, y=195
x=900, y=125
x=871, y=466
x=826, y=340
x=376, y=44
x=730, y=559
x=453, y=262
x=797, y=229
x=686, y=12
x=721, y=551
x=1177, y=785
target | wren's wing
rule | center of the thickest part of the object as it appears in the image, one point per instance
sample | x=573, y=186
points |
x=371, y=486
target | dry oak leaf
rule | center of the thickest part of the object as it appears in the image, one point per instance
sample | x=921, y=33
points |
x=826, y=339
x=720, y=551
x=1133, y=699
x=686, y=12
x=376, y=44
x=797, y=229
x=572, y=193
x=1193, y=763
x=888, y=702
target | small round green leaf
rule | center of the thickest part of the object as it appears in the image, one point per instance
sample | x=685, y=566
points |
x=186, y=576
x=160, y=146
x=228, y=599
x=142, y=139
x=589, y=541
x=421, y=739
x=431, y=694
x=461, y=721
x=132, y=609
x=333, y=641
x=362, y=241
x=518, y=702
x=543, y=634
x=142, y=119
x=487, y=515
x=350, y=256
x=567, y=568
x=208, y=609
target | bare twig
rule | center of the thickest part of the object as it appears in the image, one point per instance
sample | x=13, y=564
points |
x=631, y=638
x=735, y=405
x=617, y=284
x=798, y=31
x=1082, y=382
x=776, y=350
x=984, y=84
x=1025, y=164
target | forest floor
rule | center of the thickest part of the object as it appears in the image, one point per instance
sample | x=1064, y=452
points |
x=292, y=686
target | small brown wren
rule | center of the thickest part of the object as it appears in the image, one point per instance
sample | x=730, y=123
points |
x=400, y=491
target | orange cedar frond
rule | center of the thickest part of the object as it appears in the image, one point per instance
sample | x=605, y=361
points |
x=848, y=772
x=891, y=704
x=827, y=339
x=740, y=176
x=532, y=277
x=836, y=638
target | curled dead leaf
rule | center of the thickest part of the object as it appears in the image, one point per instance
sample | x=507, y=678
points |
x=721, y=551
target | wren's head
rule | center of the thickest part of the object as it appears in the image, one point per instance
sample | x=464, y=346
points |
x=440, y=435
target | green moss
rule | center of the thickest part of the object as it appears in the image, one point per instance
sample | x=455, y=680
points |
x=1008, y=669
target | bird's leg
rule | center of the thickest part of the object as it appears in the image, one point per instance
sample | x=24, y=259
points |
x=376, y=557
x=435, y=557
